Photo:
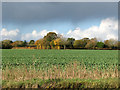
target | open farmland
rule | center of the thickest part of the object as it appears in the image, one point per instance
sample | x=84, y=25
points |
x=35, y=66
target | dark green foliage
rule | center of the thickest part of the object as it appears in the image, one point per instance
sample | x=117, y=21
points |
x=100, y=45
x=70, y=42
x=77, y=44
x=80, y=43
x=50, y=36
x=7, y=44
x=24, y=43
x=31, y=42
x=18, y=44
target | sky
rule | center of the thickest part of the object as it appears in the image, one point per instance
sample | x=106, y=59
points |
x=33, y=20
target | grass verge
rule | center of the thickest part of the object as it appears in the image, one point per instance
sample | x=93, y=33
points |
x=63, y=83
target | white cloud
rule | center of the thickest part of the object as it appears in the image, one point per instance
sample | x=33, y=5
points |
x=106, y=30
x=15, y=34
x=35, y=35
x=11, y=35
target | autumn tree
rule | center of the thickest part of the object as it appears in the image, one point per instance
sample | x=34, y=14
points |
x=59, y=43
x=56, y=43
x=48, y=38
x=37, y=42
x=40, y=44
x=91, y=43
x=52, y=44
x=111, y=43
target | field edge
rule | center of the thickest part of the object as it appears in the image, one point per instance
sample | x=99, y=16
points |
x=63, y=83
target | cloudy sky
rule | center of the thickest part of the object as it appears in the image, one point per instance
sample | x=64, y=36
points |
x=33, y=20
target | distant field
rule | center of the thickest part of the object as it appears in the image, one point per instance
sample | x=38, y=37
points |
x=21, y=65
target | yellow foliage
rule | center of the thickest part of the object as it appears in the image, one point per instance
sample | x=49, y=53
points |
x=58, y=47
x=57, y=41
x=37, y=42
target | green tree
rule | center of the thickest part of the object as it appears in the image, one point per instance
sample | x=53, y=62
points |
x=31, y=42
x=18, y=44
x=24, y=43
x=81, y=43
x=48, y=38
x=85, y=41
x=76, y=44
x=70, y=42
x=100, y=45
x=7, y=44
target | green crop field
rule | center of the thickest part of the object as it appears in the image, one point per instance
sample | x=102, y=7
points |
x=22, y=65
x=45, y=58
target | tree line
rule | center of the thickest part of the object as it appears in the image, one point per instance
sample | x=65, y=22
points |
x=57, y=41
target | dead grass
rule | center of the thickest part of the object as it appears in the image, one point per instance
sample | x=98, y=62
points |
x=72, y=71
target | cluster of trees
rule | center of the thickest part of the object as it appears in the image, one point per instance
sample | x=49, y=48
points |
x=56, y=41
x=8, y=44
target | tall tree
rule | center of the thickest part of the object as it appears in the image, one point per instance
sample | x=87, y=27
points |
x=70, y=42
x=48, y=38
